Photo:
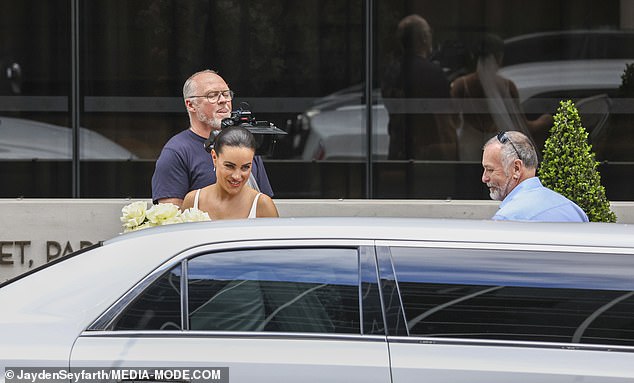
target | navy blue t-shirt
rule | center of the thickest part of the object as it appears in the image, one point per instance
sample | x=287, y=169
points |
x=184, y=165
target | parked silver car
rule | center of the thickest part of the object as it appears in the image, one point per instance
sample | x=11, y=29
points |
x=24, y=139
x=336, y=300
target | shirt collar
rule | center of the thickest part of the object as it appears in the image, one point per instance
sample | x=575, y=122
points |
x=527, y=184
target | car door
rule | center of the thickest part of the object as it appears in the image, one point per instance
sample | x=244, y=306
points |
x=525, y=314
x=266, y=312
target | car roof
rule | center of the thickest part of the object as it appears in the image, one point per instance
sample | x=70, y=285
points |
x=576, y=44
x=537, y=78
x=386, y=228
x=28, y=139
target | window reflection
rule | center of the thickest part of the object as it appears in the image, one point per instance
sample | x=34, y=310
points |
x=519, y=313
x=158, y=307
x=302, y=66
x=507, y=295
x=282, y=290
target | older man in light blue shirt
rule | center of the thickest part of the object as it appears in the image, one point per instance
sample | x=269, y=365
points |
x=510, y=162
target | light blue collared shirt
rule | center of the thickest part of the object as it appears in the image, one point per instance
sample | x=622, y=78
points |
x=531, y=201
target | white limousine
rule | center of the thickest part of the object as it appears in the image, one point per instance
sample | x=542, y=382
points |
x=334, y=300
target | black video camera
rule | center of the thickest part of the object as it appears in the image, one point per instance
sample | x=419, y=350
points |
x=238, y=117
x=265, y=132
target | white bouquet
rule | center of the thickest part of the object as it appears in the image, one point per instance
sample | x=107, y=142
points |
x=136, y=215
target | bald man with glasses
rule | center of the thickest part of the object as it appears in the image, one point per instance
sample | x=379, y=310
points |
x=184, y=164
x=510, y=163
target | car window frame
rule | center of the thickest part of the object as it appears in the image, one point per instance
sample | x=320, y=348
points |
x=262, y=253
x=106, y=320
x=386, y=245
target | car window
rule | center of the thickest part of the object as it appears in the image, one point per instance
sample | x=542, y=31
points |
x=157, y=308
x=523, y=296
x=282, y=290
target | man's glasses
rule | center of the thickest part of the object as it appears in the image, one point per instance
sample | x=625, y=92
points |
x=214, y=96
x=503, y=138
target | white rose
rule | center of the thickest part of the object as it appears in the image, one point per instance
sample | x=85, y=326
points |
x=133, y=215
x=144, y=225
x=163, y=213
x=195, y=215
x=171, y=220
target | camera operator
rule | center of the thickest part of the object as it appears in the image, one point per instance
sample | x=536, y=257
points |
x=184, y=164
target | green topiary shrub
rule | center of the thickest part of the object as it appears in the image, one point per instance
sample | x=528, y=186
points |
x=569, y=166
x=626, y=89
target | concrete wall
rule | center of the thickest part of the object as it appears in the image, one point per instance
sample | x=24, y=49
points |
x=35, y=231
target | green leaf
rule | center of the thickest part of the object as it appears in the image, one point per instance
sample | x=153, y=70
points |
x=569, y=166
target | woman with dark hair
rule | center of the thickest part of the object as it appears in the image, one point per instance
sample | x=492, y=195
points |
x=231, y=197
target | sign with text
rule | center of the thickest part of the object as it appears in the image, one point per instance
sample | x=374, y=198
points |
x=35, y=232
x=22, y=255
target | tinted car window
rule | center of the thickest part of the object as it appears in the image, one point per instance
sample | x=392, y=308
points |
x=525, y=296
x=284, y=290
x=158, y=308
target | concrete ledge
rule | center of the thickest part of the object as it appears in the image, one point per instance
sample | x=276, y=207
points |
x=387, y=208
x=35, y=231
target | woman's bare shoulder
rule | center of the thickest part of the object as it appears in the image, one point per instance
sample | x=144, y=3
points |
x=266, y=207
x=189, y=200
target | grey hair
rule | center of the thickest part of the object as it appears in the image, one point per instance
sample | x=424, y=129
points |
x=190, y=85
x=520, y=147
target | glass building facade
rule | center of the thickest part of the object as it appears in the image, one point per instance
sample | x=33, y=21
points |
x=376, y=103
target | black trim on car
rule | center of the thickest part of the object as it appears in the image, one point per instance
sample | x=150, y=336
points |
x=184, y=295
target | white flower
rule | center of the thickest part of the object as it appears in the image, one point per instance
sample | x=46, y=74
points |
x=133, y=215
x=194, y=215
x=164, y=214
x=144, y=225
x=136, y=216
